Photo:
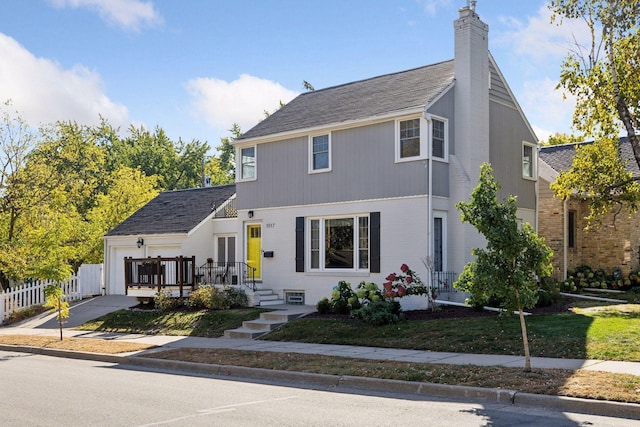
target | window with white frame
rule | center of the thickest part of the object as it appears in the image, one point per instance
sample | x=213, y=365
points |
x=414, y=135
x=528, y=160
x=339, y=243
x=248, y=163
x=320, y=153
x=438, y=138
x=409, y=138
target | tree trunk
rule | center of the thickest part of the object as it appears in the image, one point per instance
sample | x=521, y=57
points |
x=525, y=341
x=624, y=114
x=60, y=316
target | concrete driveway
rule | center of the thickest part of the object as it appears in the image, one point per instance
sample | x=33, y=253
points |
x=81, y=312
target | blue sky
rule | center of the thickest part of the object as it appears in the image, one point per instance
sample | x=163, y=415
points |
x=194, y=67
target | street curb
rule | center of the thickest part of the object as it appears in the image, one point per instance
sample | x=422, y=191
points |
x=575, y=404
x=500, y=396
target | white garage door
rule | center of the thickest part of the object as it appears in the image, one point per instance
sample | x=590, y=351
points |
x=115, y=285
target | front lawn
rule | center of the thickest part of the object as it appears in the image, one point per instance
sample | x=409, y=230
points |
x=202, y=323
x=589, y=333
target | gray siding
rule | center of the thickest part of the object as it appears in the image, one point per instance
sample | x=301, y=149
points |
x=499, y=91
x=363, y=167
x=507, y=130
x=444, y=107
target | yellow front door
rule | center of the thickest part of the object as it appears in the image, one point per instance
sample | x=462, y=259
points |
x=254, y=248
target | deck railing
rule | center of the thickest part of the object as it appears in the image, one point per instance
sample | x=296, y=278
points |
x=227, y=273
x=160, y=273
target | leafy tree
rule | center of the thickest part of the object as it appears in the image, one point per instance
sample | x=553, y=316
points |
x=128, y=190
x=308, y=86
x=603, y=77
x=515, y=257
x=561, y=138
x=54, y=301
x=222, y=169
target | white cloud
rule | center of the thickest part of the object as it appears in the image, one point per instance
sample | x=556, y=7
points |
x=546, y=107
x=540, y=40
x=43, y=92
x=432, y=6
x=128, y=14
x=243, y=101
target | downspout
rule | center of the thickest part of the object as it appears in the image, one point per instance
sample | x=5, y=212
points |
x=565, y=232
x=430, y=258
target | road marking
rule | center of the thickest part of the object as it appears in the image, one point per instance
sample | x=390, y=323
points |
x=218, y=410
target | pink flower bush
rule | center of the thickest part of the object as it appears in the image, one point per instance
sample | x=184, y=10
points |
x=406, y=283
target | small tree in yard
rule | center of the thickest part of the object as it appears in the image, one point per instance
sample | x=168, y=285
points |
x=53, y=295
x=515, y=257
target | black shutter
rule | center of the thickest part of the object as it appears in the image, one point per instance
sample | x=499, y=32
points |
x=300, y=244
x=374, y=242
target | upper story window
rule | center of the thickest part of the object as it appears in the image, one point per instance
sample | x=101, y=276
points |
x=528, y=160
x=320, y=153
x=409, y=138
x=248, y=163
x=438, y=138
x=413, y=137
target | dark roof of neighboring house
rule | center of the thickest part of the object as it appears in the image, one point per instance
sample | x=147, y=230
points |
x=560, y=157
x=358, y=100
x=176, y=211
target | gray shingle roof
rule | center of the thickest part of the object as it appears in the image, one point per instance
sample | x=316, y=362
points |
x=358, y=100
x=174, y=211
x=560, y=157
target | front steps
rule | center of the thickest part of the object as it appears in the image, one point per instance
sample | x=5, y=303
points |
x=252, y=329
x=266, y=297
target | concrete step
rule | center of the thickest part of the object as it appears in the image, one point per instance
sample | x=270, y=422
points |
x=252, y=329
x=243, y=333
x=261, y=325
x=265, y=303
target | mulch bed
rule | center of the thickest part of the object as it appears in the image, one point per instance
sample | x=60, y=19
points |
x=451, y=312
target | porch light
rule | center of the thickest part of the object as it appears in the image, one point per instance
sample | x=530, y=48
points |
x=250, y=213
x=140, y=242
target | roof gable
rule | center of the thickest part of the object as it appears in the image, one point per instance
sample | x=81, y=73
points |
x=174, y=212
x=358, y=100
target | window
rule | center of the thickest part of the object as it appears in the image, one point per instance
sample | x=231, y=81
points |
x=248, y=163
x=339, y=243
x=414, y=135
x=438, y=138
x=437, y=244
x=226, y=249
x=319, y=153
x=571, y=229
x=409, y=138
x=528, y=161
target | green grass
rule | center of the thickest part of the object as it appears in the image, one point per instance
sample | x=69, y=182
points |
x=202, y=323
x=590, y=333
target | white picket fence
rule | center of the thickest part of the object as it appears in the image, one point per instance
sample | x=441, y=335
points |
x=32, y=293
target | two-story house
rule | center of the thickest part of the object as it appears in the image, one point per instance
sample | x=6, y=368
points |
x=350, y=182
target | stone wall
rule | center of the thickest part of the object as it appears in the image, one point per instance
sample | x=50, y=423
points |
x=614, y=243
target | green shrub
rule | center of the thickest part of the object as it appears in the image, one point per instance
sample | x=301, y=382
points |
x=163, y=301
x=201, y=297
x=236, y=297
x=549, y=293
x=324, y=306
x=211, y=298
x=378, y=313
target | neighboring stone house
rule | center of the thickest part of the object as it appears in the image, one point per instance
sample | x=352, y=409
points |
x=615, y=243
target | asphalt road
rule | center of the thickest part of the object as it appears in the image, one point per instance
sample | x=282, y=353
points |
x=46, y=391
